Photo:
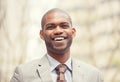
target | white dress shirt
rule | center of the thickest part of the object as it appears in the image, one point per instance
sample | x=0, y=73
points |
x=54, y=63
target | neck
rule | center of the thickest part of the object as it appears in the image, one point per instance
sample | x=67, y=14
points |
x=62, y=58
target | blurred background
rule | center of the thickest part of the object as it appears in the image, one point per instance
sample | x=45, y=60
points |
x=97, y=41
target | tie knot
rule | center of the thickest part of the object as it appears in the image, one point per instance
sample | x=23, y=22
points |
x=61, y=68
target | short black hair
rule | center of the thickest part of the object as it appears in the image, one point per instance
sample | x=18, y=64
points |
x=52, y=11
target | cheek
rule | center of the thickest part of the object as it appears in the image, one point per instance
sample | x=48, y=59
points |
x=47, y=35
x=70, y=33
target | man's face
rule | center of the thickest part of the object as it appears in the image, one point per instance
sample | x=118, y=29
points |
x=57, y=33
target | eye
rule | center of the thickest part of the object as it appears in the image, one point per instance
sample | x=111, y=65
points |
x=50, y=26
x=65, y=25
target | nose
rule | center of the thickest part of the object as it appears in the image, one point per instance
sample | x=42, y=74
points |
x=58, y=30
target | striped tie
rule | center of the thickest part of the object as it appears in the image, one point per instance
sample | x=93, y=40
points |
x=60, y=70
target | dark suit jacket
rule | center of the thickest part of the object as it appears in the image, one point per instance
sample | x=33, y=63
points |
x=39, y=71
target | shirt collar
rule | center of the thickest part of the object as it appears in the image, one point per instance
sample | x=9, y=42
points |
x=54, y=63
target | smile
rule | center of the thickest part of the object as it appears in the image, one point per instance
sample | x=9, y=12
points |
x=59, y=38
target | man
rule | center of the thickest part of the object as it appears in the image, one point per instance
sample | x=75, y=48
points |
x=57, y=32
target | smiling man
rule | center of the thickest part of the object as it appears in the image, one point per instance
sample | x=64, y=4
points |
x=57, y=32
x=57, y=65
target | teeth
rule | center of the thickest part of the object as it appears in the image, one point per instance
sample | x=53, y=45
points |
x=58, y=38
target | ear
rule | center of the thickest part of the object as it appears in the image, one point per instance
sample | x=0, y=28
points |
x=73, y=32
x=41, y=34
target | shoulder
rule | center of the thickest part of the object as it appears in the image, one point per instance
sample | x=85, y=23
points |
x=32, y=65
x=90, y=72
x=85, y=66
x=24, y=71
x=27, y=67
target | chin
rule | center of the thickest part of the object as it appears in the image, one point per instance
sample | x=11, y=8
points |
x=59, y=48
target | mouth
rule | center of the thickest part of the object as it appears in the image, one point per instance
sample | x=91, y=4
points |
x=59, y=38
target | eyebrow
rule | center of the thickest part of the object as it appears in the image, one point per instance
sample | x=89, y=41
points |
x=64, y=23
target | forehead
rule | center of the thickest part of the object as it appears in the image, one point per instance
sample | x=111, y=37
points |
x=56, y=17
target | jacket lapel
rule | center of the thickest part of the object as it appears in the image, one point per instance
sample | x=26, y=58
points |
x=44, y=70
x=78, y=74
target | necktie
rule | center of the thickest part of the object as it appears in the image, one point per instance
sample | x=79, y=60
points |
x=60, y=70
